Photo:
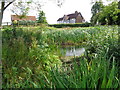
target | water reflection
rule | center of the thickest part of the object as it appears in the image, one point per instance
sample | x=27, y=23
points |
x=72, y=51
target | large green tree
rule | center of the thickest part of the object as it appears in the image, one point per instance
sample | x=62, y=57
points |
x=109, y=14
x=119, y=25
x=119, y=13
x=96, y=8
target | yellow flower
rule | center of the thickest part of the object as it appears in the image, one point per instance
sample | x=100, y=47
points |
x=89, y=65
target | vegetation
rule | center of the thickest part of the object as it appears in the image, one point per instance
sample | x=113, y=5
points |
x=41, y=17
x=21, y=8
x=96, y=8
x=25, y=23
x=108, y=14
x=25, y=50
x=71, y=25
x=31, y=58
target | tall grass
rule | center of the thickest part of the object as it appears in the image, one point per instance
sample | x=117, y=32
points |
x=89, y=35
x=24, y=51
x=94, y=39
x=88, y=75
x=30, y=58
x=98, y=73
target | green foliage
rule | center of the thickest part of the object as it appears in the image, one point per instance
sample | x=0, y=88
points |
x=108, y=14
x=98, y=68
x=98, y=73
x=70, y=25
x=26, y=23
x=118, y=22
x=21, y=8
x=96, y=8
x=81, y=35
x=30, y=58
x=25, y=53
x=41, y=17
x=86, y=75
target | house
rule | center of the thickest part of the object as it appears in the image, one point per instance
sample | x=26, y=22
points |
x=72, y=18
x=26, y=18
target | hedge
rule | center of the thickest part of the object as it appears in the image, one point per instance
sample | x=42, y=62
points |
x=25, y=23
x=70, y=25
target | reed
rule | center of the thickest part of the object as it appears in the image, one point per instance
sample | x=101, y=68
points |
x=31, y=60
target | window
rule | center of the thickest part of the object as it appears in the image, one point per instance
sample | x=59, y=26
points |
x=72, y=20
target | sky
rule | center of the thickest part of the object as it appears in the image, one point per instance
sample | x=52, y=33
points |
x=53, y=12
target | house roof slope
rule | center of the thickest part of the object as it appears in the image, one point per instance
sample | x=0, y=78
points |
x=60, y=19
x=27, y=18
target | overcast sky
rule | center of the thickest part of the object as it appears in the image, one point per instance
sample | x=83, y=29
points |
x=53, y=12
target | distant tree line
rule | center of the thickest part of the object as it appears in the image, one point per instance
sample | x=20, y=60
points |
x=109, y=14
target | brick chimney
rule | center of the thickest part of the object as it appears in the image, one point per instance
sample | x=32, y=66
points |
x=76, y=12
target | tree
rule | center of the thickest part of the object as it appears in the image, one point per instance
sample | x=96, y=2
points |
x=21, y=8
x=6, y=3
x=119, y=25
x=109, y=14
x=118, y=13
x=96, y=8
x=105, y=14
x=41, y=17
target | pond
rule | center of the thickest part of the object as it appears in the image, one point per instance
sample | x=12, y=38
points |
x=72, y=51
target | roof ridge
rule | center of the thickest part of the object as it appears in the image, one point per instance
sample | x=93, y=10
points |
x=21, y=15
x=16, y=17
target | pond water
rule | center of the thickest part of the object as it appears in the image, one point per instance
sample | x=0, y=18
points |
x=72, y=51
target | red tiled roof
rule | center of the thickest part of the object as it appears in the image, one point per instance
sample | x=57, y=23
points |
x=27, y=18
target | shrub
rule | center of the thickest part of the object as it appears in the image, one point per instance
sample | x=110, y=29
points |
x=25, y=53
x=30, y=61
x=70, y=25
x=25, y=23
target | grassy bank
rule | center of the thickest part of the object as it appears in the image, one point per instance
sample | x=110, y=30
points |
x=30, y=57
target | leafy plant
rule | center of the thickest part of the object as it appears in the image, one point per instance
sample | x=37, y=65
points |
x=31, y=60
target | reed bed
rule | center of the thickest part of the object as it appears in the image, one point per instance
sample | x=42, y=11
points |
x=31, y=58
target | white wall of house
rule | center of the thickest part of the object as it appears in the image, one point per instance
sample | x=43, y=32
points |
x=59, y=22
x=67, y=21
x=72, y=20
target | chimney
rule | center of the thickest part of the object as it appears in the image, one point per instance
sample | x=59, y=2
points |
x=76, y=12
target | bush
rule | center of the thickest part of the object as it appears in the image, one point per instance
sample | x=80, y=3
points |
x=25, y=53
x=71, y=25
x=25, y=23
x=27, y=58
